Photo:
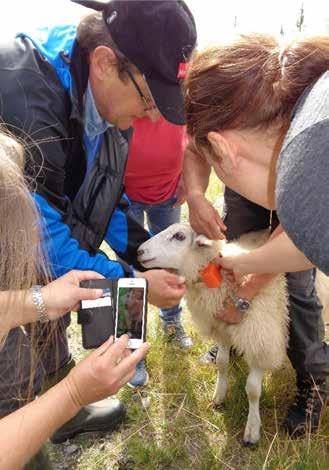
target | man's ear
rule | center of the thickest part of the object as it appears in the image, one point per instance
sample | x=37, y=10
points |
x=102, y=58
x=223, y=147
x=202, y=241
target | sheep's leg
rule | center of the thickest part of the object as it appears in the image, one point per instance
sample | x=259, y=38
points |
x=253, y=389
x=222, y=361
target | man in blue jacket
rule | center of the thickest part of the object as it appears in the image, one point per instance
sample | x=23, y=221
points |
x=71, y=94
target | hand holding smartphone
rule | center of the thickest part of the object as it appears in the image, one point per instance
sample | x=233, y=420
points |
x=131, y=310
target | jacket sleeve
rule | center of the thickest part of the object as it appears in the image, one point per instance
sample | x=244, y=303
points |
x=36, y=111
x=125, y=234
x=63, y=251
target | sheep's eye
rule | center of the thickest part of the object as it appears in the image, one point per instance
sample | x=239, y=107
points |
x=179, y=236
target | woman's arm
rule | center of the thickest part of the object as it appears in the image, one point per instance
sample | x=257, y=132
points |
x=31, y=425
x=101, y=374
x=60, y=296
x=278, y=255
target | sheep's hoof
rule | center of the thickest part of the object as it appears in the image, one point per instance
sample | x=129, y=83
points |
x=249, y=444
x=218, y=406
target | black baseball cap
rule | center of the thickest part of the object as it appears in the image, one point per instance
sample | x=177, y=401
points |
x=157, y=36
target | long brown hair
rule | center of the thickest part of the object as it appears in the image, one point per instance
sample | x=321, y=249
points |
x=250, y=83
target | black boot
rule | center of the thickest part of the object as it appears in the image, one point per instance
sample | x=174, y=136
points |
x=304, y=415
x=102, y=416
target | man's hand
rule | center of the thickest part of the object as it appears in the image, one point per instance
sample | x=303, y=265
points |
x=230, y=314
x=165, y=289
x=247, y=288
x=204, y=218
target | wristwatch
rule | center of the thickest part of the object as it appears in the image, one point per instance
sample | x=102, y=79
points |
x=240, y=303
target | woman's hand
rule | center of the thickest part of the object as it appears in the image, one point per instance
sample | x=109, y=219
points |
x=104, y=371
x=165, y=289
x=64, y=294
x=231, y=265
x=204, y=218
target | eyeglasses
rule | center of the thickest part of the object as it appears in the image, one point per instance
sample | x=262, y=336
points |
x=149, y=104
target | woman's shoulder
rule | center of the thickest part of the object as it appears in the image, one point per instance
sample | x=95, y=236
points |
x=311, y=109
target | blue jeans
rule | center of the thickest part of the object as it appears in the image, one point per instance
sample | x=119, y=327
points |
x=159, y=217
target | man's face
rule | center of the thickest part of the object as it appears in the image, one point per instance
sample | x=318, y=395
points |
x=119, y=102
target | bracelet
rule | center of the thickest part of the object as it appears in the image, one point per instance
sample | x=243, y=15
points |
x=39, y=304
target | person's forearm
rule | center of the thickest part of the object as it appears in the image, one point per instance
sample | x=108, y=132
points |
x=253, y=283
x=23, y=432
x=279, y=255
x=17, y=308
x=196, y=173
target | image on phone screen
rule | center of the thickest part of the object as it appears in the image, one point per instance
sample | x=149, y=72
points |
x=130, y=314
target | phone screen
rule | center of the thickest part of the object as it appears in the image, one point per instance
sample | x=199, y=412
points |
x=130, y=312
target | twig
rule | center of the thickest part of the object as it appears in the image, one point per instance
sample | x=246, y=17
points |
x=180, y=408
x=222, y=462
x=124, y=441
x=269, y=450
x=199, y=417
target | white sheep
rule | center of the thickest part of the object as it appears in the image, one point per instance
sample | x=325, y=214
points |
x=261, y=336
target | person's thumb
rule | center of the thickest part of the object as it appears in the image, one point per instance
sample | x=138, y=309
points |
x=226, y=262
x=89, y=294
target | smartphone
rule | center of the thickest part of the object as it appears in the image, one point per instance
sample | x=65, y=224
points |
x=131, y=310
x=97, y=316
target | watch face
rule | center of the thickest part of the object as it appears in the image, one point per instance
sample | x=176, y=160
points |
x=243, y=305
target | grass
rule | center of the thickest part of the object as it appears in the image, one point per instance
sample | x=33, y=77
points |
x=171, y=424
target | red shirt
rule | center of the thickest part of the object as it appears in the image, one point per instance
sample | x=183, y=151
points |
x=155, y=160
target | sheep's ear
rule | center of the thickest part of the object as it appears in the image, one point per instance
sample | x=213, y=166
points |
x=202, y=241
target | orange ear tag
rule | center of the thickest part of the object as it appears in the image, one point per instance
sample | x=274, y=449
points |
x=211, y=275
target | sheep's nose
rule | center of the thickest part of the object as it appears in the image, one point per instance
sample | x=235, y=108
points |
x=140, y=252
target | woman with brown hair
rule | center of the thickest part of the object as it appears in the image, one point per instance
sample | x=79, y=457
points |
x=258, y=114
x=247, y=104
x=23, y=302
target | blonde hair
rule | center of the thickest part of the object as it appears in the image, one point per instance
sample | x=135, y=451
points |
x=19, y=231
x=22, y=259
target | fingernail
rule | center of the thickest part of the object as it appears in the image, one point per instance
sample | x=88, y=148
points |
x=181, y=279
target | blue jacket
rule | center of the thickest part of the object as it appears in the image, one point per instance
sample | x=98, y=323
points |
x=43, y=80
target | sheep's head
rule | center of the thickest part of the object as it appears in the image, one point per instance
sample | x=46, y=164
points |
x=176, y=247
